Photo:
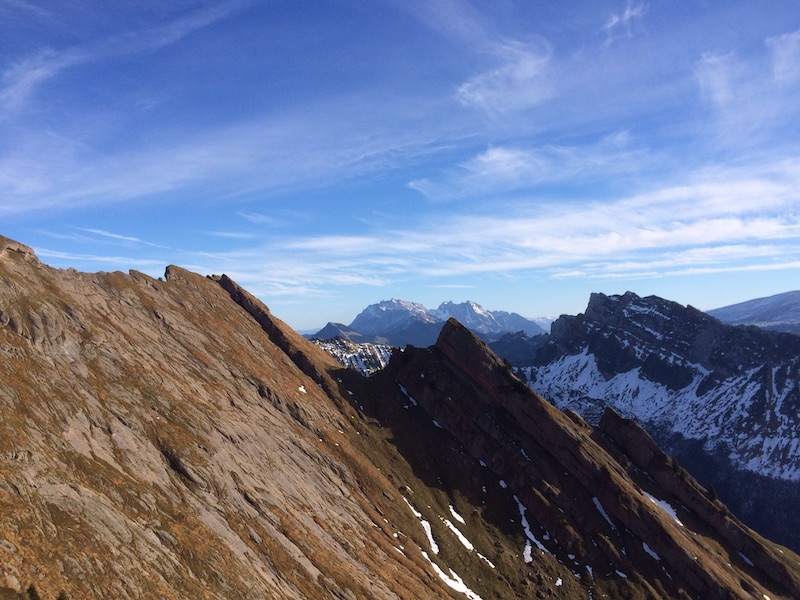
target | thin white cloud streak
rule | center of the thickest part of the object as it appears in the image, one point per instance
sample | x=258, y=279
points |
x=454, y=19
x=684, y=230
x=521, y=79
x=263, y=155
x=713, y=225
x=501, y=168
x=627, y=21
x=751, y=96
x=717, y=259
x=21, y=80
x=645, y=271
x=115, y=236
x=9, y=7
x=123, y=262
x=785, y=55
x=231, y=235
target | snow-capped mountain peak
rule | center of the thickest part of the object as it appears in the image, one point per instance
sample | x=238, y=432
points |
x=390, y=315
x=478, y=319
x=469, y=314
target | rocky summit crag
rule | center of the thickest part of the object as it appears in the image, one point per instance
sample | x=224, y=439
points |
x=173, y=439
x=725, y=400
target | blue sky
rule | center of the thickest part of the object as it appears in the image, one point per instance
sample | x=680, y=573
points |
x=331, y=154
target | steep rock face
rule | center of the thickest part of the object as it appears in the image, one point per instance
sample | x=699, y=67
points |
x=581, y=501
x=519, y=348
x=646, y=455
x=725, y=399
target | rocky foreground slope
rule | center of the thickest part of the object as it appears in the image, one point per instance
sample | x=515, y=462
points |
x=173, y=439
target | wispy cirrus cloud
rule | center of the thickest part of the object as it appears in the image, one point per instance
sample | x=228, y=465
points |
x=750, y=96
x=454, y=19
x=714, y=222
x=262, y=155
x=231, y=235
x=21, y=79
x=520, y=79
x=624, y=23
x=124, y=262
x=785, y=57
x=500, y=169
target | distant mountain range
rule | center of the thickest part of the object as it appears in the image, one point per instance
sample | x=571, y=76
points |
x=780, y=312
x=400, y=323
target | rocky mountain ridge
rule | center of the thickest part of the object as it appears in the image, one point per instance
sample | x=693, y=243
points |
x=730, y=392
x=174, y=439
x=527, y=442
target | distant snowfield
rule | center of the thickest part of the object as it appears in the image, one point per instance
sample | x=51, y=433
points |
x=365, y=358
x=767, y=444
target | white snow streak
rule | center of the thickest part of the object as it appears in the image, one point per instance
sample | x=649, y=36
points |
x=456, y=516
x=425, y=525
x=461, y=537
x=666, y=507
x=650, y=551
x=527, y=554
x=453, y=580
x=603, y=512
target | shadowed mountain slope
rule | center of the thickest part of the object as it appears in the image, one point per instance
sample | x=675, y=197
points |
x=173, y=439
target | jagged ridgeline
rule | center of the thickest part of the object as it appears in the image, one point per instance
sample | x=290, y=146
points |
x=173, y=439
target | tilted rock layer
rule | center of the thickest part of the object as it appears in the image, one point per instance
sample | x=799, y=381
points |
x=173, y=439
